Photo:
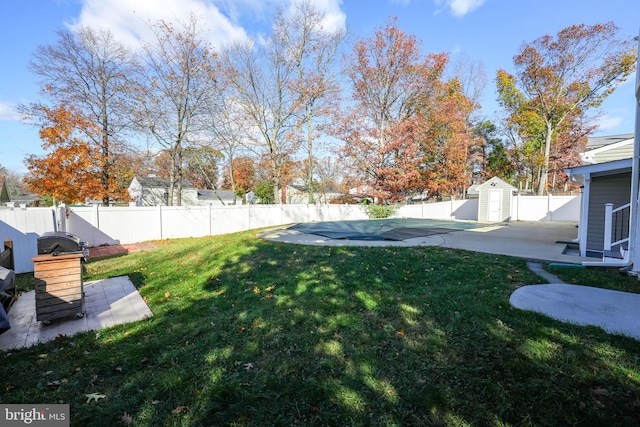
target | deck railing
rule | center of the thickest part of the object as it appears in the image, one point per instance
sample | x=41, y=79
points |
x=616, y=225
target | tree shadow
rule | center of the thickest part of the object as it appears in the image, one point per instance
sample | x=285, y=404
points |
x=277, y=334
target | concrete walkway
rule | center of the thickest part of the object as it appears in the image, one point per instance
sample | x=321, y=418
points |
x=615, y=312
x=107, y=302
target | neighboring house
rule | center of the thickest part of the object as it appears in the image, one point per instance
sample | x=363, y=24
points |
x=472, y=191
x=154, y=191
x=28, y=200
x=218, y=197
x=4, y=193
x=299, y=195
x=495, y=198
x=605, y=178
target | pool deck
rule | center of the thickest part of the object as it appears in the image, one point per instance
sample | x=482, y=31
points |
x=530, y=240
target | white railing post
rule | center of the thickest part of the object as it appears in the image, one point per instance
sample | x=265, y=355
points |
x=608, y=208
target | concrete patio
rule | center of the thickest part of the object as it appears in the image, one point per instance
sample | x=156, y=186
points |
x=107, y=302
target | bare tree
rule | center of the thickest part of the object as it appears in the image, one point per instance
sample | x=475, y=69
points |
x=314, y=50
x=90, y=71
x=279, y=85
x=226, y=128
x=179, y=83
x=262, y=78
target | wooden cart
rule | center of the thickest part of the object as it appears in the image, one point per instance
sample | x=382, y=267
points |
x=59, y=289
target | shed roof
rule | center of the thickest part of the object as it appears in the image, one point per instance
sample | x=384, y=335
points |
x=496, y=181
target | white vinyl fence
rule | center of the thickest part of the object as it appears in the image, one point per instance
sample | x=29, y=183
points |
x=24, y=226
x=122, y=225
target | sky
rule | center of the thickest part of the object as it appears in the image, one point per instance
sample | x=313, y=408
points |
x=485, y=31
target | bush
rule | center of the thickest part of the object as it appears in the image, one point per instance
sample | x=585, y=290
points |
x=379, y=211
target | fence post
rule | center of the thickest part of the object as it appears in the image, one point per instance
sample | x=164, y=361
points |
x=608, y=208
x=160, y=217
x=96, y=215
x=210, y=221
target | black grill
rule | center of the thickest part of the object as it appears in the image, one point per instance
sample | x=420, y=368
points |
x=60, y=242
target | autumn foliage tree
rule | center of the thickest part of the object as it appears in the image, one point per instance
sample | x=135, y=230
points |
x=243, y=175
x=406, y=130
x=71, y=170
x=91, y=72
x=562, y=77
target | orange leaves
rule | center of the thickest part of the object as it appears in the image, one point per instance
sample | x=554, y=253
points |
x=407, y=131
x=71, y=171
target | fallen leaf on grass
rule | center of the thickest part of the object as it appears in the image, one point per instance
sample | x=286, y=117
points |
x=270, y=288
x=401, y=332
x=256, y=290
x=167, y=294
x=179, y=410
x=94, y=396
x=126, y=418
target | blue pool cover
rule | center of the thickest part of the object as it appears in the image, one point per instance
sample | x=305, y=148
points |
x=382, y=229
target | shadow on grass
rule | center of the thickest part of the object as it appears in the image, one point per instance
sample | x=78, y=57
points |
x=248, y=332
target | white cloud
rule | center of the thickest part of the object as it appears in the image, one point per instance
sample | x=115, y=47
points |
x=129, y=20
x=8, y=113
x=608, y=122
x=460, y=7
x=335, y=19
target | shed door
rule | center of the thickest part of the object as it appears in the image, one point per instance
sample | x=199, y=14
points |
x=495, y=205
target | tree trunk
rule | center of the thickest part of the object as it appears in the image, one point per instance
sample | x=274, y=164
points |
x=545, y=167
x=105, y=153
x=310, y=158
x=179, y=174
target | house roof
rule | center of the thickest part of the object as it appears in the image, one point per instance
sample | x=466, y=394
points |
x=156, y=182
x=602, y=141
x=225, y=195
x=305, y=189
x=4, y=193
x=615, y=146
x=601, y=168
x=579, y=173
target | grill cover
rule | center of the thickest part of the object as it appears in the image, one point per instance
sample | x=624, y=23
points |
x=58, y=242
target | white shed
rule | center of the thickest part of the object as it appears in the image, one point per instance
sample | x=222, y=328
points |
x=494, y=200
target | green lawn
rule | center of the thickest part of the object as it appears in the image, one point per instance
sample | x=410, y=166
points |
x=251, y=332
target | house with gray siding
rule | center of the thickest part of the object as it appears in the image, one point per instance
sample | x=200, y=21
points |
x=605, y=177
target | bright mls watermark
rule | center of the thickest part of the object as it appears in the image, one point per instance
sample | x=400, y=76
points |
x=34, y=415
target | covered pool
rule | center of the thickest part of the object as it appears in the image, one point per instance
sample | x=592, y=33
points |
x=382, y=229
